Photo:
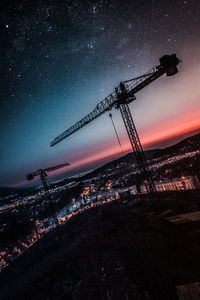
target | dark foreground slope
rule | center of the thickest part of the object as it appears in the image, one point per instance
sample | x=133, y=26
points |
x=116, y=251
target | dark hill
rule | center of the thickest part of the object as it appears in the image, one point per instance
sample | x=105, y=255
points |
x=110, y=252
x=126, y=159
x=6, y=191
x=187, y=145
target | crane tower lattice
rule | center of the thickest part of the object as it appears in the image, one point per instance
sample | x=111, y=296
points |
x=120, y=98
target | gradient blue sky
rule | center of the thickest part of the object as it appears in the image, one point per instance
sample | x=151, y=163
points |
x=60, y=60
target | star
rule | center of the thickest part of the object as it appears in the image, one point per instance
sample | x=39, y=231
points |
x=91, y=45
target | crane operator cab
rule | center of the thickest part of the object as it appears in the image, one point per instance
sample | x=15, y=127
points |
x=123, y=96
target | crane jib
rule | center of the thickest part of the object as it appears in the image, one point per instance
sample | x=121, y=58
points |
x=167, y=65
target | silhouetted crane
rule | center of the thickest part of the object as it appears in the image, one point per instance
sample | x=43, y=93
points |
x=120, y=98
x=43, y=174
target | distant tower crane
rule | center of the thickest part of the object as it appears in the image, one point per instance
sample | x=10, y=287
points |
x=43, y=174
x=120, y=98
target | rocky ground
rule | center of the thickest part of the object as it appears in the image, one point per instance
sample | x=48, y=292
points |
x=128, y=249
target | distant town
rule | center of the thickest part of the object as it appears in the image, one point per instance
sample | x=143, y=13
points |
x=27, y=216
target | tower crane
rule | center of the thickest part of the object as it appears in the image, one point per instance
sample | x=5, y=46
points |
x=43, y=174
x=120, y=98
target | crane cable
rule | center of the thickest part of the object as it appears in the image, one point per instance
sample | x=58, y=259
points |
x=110, y=115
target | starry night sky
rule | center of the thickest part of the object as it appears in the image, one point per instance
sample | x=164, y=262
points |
x=60, y=58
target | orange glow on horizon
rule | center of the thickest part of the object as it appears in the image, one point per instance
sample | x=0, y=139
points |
x=154, y=136
x=180, y=126
x=172, y=129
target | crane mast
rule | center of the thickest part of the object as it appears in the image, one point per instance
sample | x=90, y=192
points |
x=120, y=98
x=43, y=174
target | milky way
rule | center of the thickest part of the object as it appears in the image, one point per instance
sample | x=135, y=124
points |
x=60, y=58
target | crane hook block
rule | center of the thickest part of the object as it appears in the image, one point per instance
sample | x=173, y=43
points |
x=169, y=63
